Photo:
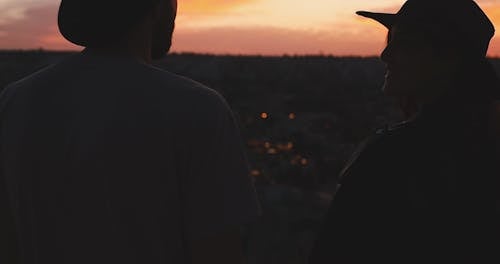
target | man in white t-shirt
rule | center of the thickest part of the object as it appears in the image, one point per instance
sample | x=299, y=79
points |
x=107, y=159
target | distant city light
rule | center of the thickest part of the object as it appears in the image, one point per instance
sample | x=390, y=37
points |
x=255, y=173
x=292, y=116
x=254, y=143
x=304, y=162
x=264, y=115
x=285, y=147
x=296, y=160
x=272, y=151
x=267, y=145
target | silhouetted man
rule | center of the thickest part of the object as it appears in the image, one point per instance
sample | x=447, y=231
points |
x=107, y=159
x=424, y=191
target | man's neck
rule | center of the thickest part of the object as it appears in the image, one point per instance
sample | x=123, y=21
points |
x=139, y=55
x=136, y=45
x=435, y=90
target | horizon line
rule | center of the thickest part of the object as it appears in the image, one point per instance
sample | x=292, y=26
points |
x=192, y=53
x=209, y=54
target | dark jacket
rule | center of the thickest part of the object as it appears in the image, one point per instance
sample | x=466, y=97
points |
x=419, y=192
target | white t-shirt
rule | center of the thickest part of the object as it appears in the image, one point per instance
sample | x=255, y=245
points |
x=109, y=160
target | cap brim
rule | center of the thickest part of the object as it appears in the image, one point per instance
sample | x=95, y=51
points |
x=385, y=19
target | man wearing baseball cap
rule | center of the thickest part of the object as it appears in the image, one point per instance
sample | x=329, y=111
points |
x=107, y=159
x=424, y=191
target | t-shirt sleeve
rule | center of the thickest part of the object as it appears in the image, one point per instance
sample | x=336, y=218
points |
x=218, y=191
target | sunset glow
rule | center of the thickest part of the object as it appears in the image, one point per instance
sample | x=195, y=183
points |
x=267, y=27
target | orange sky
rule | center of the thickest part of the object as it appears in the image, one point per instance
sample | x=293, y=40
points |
x=268, y=27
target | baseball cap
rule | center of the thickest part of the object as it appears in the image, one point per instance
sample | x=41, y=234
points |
x=462, y=22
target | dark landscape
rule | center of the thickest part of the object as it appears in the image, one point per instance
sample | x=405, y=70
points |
x=301, y=119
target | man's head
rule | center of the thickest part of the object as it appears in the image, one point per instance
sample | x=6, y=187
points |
x=417, y=66
x=107, y=23
x=428, y=41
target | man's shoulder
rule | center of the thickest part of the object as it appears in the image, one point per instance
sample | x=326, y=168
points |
x=170, y=85
x=83, y=71
x=386, y=143
x=129, y=81
x=395, y=133
x=391, y=135
x=49, y=74
x=34, y=77
x=165, y=78
x=22, y=84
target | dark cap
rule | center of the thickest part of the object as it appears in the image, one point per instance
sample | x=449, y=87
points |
x=460, y=21
x=94, y=22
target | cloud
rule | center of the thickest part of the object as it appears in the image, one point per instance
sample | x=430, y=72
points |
x=39, y=29
x=28, y=24
x=209, y=6
x=13, y=13
x=16, y=9
x=494, y=13
x=36, y=29
x=278, y=41
x=487, y=2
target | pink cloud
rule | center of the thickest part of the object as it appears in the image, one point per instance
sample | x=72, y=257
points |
x=209, y=6
x=38, y=29
x=277, y=41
